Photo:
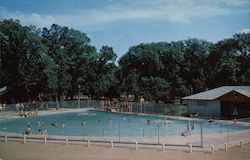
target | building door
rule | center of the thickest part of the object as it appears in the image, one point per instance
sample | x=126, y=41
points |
x=227, y=109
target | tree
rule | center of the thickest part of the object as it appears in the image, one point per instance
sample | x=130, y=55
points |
x=21, y=60
x=195, y=60
x=56, y=60
x=105, y=81
x=67, y=51
x=173, y=60
x=230, y=59
x=243, y=50
x=154, y=88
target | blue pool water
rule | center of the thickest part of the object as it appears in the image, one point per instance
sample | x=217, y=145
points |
x=94, y=123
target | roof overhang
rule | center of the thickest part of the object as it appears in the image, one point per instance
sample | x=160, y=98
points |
x=3, y=90
x=234, y=96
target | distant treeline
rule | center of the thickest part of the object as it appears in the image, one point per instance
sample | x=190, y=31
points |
x=51, y=63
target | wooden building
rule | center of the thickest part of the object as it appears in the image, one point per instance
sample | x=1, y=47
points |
x=225, y=101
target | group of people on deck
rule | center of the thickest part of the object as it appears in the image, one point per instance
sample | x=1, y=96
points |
x=108, y=105
x=112, y=105
x=25, y=111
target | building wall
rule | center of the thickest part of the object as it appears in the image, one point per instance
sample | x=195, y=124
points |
x=204, y=108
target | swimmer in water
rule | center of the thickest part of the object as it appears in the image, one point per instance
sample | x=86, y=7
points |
x=99, y=121
x=39, y=131
x=149, y=121
x=110, y=121
x=62, y=124
x=83, y=123
x=39, y=123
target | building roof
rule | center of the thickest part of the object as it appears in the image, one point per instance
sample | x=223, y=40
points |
x=3, y=90
x=218, y=92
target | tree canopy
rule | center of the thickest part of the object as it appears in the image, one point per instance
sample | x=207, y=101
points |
x=59, y=61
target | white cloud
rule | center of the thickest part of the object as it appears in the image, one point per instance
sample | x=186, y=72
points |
x=40, y=20
x=181, y=11
x=28, y=19
x=246, y=30
x=236, y=2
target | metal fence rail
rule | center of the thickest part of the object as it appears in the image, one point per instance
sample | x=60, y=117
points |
x=147, y=107
x=223, y=131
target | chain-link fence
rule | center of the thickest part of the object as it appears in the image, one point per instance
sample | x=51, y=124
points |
x=150, y=124
x=226, y=132
x=10, y=110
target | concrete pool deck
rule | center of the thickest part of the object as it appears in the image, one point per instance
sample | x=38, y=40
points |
x=13, y=115
x=36, y=151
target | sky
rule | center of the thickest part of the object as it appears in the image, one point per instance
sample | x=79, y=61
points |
x=124, y=23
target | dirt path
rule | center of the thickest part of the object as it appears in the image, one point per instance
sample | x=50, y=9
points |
x=37, y=151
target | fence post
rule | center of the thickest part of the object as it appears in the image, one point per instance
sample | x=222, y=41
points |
x=227, y=131
x=67, y=142
x=201, y=135
x=45, y=139
x=190, y=148
x=163, y=146
x=89, y=143
x=119, y=131
x=158, y=132
x=155, y=131
x=212, y=149
x=17, y=131
x=82, y=132
x=49, y=131
x=24, y=139
x=112, y=144
x=220, y=129
x=5, y=139
x=141, y=107
x=4, y=113
x=136, y=145
x=241, y=144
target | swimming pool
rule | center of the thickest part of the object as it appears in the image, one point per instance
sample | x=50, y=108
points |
x=95, y=123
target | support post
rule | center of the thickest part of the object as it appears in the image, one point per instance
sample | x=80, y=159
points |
x=136, y=145
x=67, y=142
x=24, y=139
x=163, y=146
x=158, y=133
x=212, y=149
x=201, y=135
x=190, y=148
x=89, y=143
x=112, y=144
x=119, y=131
x=45, y=139
x=241, y=144
x=227, y=131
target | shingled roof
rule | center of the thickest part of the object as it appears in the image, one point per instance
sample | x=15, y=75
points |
x=218, y=92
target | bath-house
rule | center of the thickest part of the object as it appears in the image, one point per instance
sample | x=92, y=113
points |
x=225, y=101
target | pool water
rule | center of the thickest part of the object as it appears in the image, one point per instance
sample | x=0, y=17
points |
x=95, y=123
